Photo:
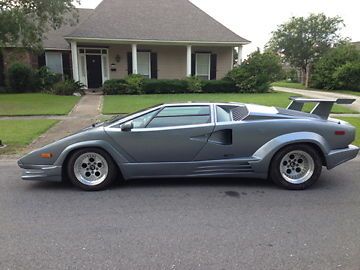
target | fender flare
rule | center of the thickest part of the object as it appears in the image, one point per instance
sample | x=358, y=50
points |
x=266, y=152
x=118, y=158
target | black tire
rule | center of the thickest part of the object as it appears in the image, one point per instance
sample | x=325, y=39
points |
x=111, y=174
x=276, y=175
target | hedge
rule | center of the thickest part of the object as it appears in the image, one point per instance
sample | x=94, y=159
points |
x=165, y=87
x=121, y=87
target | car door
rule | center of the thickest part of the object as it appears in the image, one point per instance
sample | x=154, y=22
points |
x=169, y=134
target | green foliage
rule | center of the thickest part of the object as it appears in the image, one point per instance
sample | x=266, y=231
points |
x=164, y=86
x=292, y=75
x=20, y=78
x=348, y=76
x=115, y=87
x=134, y=84
x=45, y=79
x=219, y=86
x=24, y=22
x=121, y=87
x=301, y=41
x=194, y=84
x=256, y=73
x=328, y=70
x=67, y=88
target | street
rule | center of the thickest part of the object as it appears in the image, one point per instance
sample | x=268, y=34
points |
x=181, y=224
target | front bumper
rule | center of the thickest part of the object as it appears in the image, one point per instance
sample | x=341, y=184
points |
x=48, y=173
x=339, y=156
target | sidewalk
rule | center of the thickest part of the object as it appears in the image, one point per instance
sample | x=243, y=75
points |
x=85, y=113
x=321, y=94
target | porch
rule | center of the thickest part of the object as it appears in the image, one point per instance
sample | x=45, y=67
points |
x=94, y=63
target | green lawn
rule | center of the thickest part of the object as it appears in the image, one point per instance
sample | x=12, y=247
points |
x=36, y=104
x=16, y=134
x=355, y=121
x=131, y=103
x=289, y=84
x=301, y=86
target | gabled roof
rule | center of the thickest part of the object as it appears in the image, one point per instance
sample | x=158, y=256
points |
x=54, y=39
x=153, y=20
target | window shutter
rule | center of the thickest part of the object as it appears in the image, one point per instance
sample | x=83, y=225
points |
x=193, y=64
x=154, y=66
x=213, y=64
x=66, y=64
x=41, y=60
x=129, y=60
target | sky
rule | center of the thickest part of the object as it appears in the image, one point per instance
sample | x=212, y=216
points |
x=256, y=19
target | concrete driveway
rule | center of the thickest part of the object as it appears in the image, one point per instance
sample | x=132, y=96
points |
x=181, y=224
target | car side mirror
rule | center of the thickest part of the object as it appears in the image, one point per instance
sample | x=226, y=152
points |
x=128, y=126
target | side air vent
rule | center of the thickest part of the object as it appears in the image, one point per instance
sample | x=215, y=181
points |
x=239, y=113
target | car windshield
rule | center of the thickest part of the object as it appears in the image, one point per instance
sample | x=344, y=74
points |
x=121, y=116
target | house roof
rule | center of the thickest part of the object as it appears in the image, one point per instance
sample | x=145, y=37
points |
x=54, y=39
x=153, y=20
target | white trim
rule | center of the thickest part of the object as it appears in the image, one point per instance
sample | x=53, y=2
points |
x=83, y=77
x=165, y=42
x=74, y=58
x=232, y=59
x=61, y=62
x=188, y=60
x=196, y=65
x=134, y=59
x=239, y=55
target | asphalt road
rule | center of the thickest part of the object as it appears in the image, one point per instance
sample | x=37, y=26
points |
x=181, y=224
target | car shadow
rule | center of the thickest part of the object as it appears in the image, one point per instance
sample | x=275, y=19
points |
x=166, y=183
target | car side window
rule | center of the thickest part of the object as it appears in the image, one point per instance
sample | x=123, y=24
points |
x=181, y=116
x=142, y=121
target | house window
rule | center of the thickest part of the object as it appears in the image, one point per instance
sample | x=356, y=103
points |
x=203, y=66
x=54, y=62
x=144, y=68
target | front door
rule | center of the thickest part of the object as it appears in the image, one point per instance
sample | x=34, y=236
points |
x=94, y=73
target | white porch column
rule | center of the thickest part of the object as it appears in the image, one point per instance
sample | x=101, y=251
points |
x=239, y=55
x=188, y=61
x=74, y=58
x=134, y=59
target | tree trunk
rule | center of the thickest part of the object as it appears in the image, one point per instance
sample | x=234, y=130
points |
x=303, y=75
x=307, y=76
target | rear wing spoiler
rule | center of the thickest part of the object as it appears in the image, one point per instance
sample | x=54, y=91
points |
x=323, y=107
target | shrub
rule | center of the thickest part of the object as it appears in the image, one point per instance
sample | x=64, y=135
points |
x=323, y=76
x=45, y=79
x=165, y=86
x=20, y=78
x=134, y=84
x=219, y=86
x=348, y=76
x=67, y=88
x=256, y=73
x=115, y=87
x=194, y=84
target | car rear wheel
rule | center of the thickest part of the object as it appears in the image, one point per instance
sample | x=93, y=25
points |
x=91, y=169
x=296, y=167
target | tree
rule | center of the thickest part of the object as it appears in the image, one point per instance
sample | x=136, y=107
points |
x=24, y=22
x=301, y=41
x=337, y=68
x=257, y=72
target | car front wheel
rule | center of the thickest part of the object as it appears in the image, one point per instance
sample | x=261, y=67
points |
x=91, y=169
x=296, y=167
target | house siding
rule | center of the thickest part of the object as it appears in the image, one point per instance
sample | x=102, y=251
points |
x=171, y=60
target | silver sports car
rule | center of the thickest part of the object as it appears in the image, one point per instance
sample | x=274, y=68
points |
x=201, y=140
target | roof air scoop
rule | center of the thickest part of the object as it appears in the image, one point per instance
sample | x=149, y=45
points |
x=323, y=107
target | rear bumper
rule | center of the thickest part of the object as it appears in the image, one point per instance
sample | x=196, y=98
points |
x=339, y=156
x=48, y=173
